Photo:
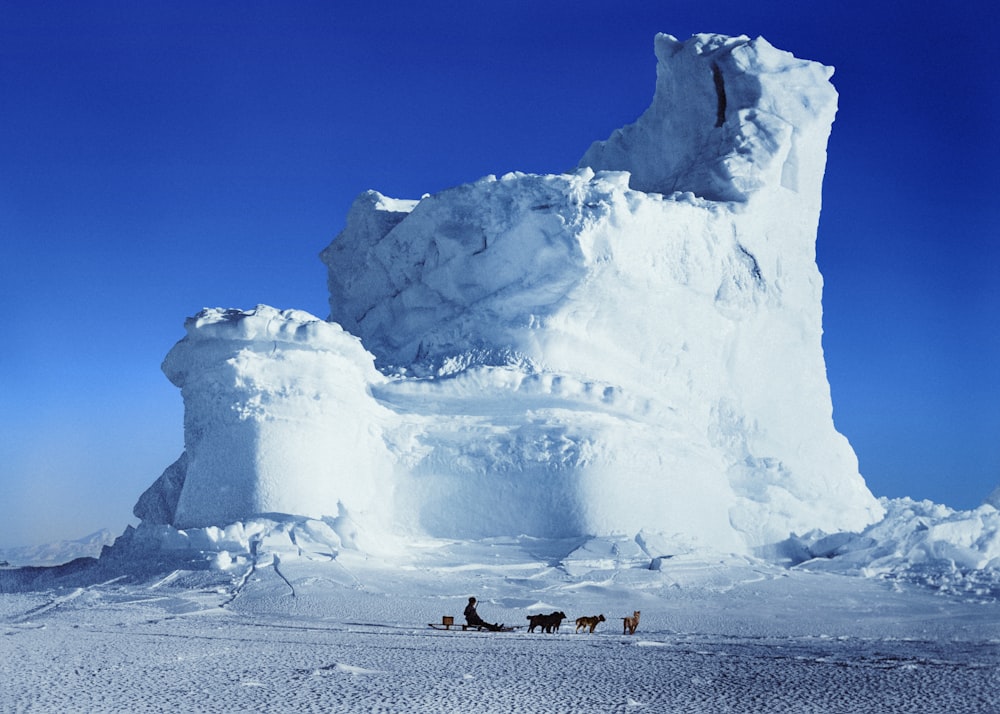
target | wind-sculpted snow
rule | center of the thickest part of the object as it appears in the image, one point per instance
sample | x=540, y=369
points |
x=631, y=346
x=306, y=631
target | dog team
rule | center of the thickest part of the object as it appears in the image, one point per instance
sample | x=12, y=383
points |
x=550, y=623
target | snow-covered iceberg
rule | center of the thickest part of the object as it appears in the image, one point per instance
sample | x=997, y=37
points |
x=635, y=345
x=278, y=418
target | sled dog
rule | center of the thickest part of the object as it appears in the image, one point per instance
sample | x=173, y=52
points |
x=583, y=623
x=630, y=623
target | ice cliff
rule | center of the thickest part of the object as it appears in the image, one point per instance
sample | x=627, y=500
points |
x=278, y=418
x=635, y=345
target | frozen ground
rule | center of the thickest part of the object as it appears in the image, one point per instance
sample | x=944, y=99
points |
x=350, y=634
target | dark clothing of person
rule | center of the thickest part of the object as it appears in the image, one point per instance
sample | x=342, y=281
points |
x=473, y=619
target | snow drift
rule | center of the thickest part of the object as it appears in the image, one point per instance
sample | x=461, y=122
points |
x=634, y=345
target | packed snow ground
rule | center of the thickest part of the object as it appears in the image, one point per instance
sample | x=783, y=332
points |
x=345, y=632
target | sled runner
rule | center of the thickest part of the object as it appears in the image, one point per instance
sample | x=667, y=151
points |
x=448, y=623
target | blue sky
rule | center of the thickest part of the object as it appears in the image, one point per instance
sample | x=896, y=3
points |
x=156, y=158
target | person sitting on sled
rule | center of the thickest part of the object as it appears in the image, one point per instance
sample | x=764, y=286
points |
x=473, y=619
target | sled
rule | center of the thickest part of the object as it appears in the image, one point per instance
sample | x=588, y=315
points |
x=448, y=623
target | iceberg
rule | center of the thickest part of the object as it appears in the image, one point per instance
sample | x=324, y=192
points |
x=634, y=345
x=278, y=418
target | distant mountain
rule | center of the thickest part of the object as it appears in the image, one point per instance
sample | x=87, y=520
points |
x=58, y=552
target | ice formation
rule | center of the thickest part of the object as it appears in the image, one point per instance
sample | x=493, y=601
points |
x=634, y=345
x=278, y=418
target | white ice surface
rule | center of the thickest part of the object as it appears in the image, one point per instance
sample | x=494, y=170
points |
x=306, y=632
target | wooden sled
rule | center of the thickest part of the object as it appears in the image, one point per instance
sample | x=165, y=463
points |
x=448, y=623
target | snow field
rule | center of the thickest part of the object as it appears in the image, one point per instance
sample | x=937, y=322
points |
x=349, y=634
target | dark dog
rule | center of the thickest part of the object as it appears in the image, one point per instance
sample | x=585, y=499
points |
x=554, y=621
x=583, y=623
x=548, y=623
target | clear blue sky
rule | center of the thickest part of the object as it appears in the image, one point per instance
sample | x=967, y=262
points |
x=156, y=158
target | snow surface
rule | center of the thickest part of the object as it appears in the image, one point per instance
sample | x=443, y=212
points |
x=298, y=623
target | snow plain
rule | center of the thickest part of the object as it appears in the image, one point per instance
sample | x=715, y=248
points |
x=347, y=632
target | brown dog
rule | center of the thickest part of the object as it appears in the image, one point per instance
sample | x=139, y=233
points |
x=585, y=622
x=630, y=623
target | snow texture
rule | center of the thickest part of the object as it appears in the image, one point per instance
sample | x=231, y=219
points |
x=283, y=618
x=917, y=541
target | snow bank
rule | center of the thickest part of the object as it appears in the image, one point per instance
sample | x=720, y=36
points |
x=918, y=541
x=251, y=543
